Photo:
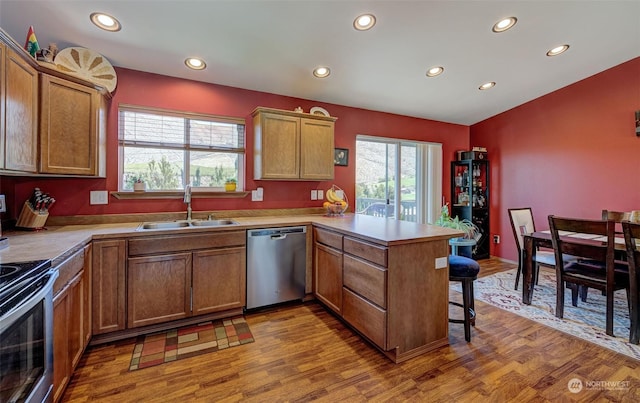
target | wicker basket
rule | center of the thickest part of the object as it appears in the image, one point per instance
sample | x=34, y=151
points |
x=30, y=218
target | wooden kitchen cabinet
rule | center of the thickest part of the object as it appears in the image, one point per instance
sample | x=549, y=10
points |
x=293, y=146
x=172, y=277
x=70, y=312
x=159, y=289
x=390, y=293
x=327, y=266
x=108, y=286
x=72, y=128
x=18, y=111
x=219, y=280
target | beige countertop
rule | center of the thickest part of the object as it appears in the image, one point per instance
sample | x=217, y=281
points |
x=57, y=243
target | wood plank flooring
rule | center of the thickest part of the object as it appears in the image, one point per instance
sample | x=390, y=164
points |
x=304, y=353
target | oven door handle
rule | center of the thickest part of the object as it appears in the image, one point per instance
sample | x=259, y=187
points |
x=44, y=292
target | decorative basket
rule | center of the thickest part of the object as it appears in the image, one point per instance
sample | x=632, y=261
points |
x=336, y=208
x=30, y=218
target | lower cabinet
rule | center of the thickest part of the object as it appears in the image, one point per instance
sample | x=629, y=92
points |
x=159, y=289
x=108, y=286
x=175, y=277
x=392, y=294
x=328, y=280
x=219, y=280
x=71, y=312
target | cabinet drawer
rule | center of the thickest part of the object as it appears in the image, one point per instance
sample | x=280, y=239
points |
x=365, y=279
x=373, y=253
x=176, y=243
x=367, y=318
x=68, y=270
x=328, y=238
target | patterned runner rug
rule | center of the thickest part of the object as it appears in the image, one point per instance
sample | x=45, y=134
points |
x=184, y=342
x=586, y=321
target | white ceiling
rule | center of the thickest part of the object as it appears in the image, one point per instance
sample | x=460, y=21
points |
x=273, y=46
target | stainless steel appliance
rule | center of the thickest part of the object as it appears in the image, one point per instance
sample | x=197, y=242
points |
x=276, y=265
x=26, y=331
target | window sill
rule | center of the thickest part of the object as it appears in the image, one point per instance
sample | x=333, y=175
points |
x=176, y=195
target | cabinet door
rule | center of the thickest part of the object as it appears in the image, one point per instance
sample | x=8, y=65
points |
x=219, y=280
x=20, y=113
x=68, y=127
x=328, y=276
x=61, y=362
x=158, y=289
x=277, y=147
x=75, y=329
x=86, y=297
x=316, y=149
x=108, y=286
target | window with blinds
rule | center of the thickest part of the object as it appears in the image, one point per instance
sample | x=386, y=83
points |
x=168, y=150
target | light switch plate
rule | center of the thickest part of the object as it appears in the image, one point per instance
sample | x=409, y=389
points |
x=98, y=197
x=3, y=204
x=314, y=195
x=320, y=194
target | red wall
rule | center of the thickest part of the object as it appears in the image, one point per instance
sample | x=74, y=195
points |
x=144, y=89
x=572, y=152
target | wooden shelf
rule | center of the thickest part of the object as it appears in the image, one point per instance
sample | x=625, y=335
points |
x=176, y=195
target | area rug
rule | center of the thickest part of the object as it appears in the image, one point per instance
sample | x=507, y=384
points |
x=586, y=321
x=184, y=342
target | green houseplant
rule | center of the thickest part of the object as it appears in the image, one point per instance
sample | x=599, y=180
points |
x=445, y=220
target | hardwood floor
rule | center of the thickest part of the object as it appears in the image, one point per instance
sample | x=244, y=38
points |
x=304, y=353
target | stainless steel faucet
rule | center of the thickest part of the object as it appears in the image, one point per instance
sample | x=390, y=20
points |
x=187, y=199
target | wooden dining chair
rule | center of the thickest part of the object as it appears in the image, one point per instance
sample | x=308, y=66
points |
x=632, y=243
x=595, y=266
x=616, y=216
x=522, y=223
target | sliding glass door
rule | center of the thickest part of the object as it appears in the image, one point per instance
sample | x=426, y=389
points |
x=398, y=179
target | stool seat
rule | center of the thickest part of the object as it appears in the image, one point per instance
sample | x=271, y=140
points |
x=460, y=266
x=465, y=270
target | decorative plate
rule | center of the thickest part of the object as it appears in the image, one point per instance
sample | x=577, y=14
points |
x=316, y=110
x=87, y=65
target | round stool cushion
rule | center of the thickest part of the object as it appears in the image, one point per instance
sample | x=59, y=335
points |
x=460, y=266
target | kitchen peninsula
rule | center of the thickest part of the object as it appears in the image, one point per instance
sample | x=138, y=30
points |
x=387, y=279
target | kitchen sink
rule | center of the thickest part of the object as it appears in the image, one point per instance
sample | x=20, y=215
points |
x=212, y=223
x=184, y=224
x=164, y=225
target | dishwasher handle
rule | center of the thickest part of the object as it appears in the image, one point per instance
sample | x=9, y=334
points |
x=276, y=237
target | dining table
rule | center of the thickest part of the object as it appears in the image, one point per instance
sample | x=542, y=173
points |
x=542, y=239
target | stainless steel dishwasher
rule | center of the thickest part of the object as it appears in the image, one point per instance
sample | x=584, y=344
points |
x=276, y=265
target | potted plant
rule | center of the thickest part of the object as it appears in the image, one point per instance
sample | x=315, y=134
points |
x=230, y=185
x=465, y=225
x=139, y=185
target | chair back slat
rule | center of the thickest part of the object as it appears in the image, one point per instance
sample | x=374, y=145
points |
x=580, y=247
x=632, y=241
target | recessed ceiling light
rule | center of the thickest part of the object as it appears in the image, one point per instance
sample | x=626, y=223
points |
x=105, y=21
x=557, y=50
x=486, y=86
x=435, y=71
x=195, y=63
x=504, y=24
x=364, y=22
x=321, y=72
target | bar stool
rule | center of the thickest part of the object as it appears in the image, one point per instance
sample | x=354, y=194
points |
x=466, y=271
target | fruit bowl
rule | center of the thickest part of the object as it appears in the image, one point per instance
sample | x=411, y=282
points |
x=337, y=202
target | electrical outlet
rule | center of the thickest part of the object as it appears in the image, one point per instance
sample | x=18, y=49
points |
x=320, y=194
x=314, y=195
x=98, y=197
x=3, y=204
x=496, y=239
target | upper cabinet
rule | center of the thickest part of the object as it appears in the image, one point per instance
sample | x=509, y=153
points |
x=64, y=118
x=72, y=131
x=292, y=146
x=18, y=112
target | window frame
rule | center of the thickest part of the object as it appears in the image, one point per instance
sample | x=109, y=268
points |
x=185, y=146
